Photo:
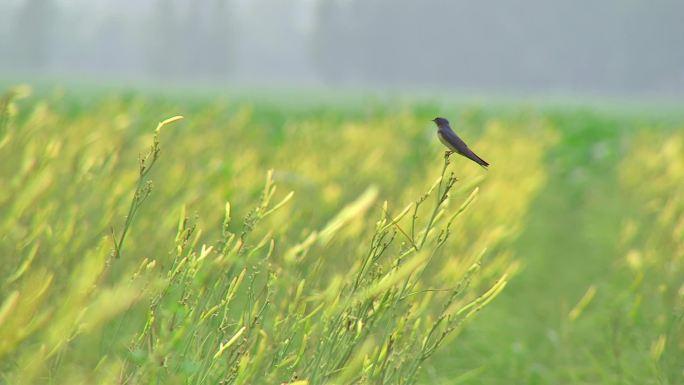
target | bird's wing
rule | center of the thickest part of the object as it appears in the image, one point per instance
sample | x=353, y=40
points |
x=459, y=145
x=451, y=137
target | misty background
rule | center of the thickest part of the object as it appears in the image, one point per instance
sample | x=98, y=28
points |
x=633, y=47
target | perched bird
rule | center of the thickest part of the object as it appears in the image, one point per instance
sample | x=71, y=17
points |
x=454, y=143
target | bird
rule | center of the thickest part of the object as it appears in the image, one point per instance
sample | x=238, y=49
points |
x=454, y=143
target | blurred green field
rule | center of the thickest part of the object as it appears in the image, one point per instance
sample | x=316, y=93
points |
x=373, y=271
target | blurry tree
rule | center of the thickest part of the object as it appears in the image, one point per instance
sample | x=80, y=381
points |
x=189, y=41
x=208, y=35
x=653, y=43
x=332, y=46
x=605, y=45
x=32, y=33
x=273, y=43
x=164, y=51
x=617, y=46
x=4, y=36
x=114, y=48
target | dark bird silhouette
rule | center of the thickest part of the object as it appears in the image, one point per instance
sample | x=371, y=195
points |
x=454, y=143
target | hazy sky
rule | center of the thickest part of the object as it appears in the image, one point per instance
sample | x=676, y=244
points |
x=596, y=46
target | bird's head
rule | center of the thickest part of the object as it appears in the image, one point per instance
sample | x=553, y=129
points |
x=440, y=122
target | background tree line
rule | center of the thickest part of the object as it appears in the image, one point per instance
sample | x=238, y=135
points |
x=584, y=45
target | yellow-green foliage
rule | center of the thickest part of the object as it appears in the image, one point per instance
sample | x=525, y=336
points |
x=258, y=242
x=655, y=250
x=134, y=255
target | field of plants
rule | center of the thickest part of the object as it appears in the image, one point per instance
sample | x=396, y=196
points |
x=197, y=239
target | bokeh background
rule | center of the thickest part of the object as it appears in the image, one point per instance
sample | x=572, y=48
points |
x=605, y=46
x=574, y=236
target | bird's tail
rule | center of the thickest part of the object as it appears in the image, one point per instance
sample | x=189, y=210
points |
x=480, y=161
